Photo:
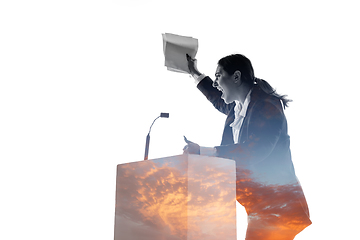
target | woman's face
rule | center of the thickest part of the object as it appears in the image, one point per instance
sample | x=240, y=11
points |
x=225, y=83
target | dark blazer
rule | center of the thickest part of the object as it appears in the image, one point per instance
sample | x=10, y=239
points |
x=262, y=156
x=263, y=137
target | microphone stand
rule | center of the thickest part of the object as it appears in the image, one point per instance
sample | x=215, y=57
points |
x=163, y=115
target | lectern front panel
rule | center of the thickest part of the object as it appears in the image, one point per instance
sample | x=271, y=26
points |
x=176, y=198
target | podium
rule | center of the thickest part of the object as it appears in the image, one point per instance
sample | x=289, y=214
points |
x=183, y=197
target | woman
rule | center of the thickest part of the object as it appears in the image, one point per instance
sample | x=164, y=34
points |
x=255, y=136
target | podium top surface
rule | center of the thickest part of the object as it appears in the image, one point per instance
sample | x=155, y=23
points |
x=185, y=157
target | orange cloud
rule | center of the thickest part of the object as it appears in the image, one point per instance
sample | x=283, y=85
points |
x=162, y=199
x=275, y=212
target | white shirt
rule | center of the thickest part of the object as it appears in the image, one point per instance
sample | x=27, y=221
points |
x=240, y=112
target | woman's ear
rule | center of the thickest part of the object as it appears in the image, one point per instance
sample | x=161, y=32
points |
x=237, y=76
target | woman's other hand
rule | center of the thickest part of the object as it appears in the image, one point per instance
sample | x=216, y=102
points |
x=191, y=148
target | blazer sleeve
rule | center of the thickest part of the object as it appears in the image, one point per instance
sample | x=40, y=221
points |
x=214, y=95
x=261, y=131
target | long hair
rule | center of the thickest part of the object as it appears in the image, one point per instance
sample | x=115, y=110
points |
x=239, y=62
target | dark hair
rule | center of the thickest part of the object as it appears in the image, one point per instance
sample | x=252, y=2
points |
x=239, y=62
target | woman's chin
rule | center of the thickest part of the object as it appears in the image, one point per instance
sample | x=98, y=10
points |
x=225, y=100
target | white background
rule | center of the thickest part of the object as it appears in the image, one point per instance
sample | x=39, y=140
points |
x=81, y=82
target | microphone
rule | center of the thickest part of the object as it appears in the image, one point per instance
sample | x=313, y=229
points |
x=163, y=115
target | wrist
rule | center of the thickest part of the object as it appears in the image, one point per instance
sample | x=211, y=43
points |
x=196, y=74
x=208, y=151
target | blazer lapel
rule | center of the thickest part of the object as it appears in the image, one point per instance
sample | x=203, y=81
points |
x=227, y=137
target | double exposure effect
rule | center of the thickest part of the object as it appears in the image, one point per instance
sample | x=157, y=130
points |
x=176, y=198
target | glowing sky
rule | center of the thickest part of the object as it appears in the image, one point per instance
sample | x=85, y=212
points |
x=176, y=198
x=193, y=197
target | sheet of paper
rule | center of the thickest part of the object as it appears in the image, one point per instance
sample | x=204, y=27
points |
x=175, y=49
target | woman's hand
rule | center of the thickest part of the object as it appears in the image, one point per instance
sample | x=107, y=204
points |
x=192, y=64
x=191, y=148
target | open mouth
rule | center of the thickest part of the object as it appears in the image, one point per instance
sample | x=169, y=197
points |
x=221, y=90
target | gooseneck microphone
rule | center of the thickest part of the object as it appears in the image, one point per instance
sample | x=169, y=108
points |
x=163, y=115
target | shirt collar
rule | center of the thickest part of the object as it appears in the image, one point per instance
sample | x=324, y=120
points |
x=241, y=110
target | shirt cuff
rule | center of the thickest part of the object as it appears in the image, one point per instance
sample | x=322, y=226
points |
x=208, y=151
x=199, y=78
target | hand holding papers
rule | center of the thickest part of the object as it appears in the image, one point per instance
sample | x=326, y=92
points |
x=175, y=49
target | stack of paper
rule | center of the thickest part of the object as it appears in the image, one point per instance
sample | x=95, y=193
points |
x=175, y=49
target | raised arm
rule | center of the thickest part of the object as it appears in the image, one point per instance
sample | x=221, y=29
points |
x=205, y=85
